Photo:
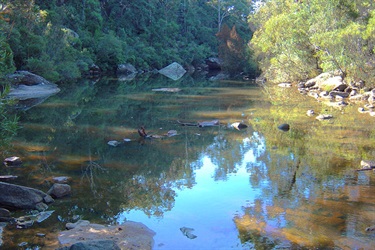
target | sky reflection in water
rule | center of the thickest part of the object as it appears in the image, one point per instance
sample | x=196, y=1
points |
x=208, y=207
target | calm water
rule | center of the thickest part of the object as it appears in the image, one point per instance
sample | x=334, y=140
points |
x=258, y=188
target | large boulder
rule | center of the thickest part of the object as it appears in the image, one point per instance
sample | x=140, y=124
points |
x=174, y=71
x=126, y=69
x=21, y=197
x=26, y=85
x=26, y=78
x=214, y=63
x=126, y=72
x=130, y=235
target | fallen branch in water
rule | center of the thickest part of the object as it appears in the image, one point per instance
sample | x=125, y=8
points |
x=143, y=134
x=365, y=169
x=200, y=124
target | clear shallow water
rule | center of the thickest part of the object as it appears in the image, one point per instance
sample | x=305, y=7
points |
x=257, y=188
x=208, y=207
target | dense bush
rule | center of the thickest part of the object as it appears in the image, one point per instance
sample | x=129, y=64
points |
x=61, y=39
x=295, y=40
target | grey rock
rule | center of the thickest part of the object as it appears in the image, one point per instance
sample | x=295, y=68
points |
x=365, y=164
x=21, y=197
x=93, y=245
x=42, y=216
x=188, y=232
x=339, y=93
x=79, y=223
x=173, y=71
x=324, y=117
x=25, y=85
x=310, y=112
x=113, y=143
x=285, y=85
x=59, y=190
x=24, y=222
x=126, y=69
x=41, y=206
x=214, y=63
x=61, y=179
x=12, y=161
x=130, y=235
x=284, y=127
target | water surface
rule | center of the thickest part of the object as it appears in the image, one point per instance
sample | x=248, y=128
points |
x=258, y=188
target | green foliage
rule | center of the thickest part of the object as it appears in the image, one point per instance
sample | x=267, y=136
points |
x=8, y=122
x=6, y=57
x=42, y=67
x=297, y=39
x=61, y=39
x=109, y=52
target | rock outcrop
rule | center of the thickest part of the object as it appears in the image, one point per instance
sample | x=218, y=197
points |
x=26, y=85
x=332, y=89
x=29, y=89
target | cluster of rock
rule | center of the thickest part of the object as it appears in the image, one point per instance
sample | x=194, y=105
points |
x=34, y=201
x=332, y=88
x=79, y=235
x=174, y=71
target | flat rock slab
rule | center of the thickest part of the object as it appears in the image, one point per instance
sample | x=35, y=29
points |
x=23, y=92
x=130, y=235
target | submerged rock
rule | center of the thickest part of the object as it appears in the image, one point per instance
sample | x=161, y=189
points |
x=61, y=179
x=188, y=232
x=238, y=125
x=93, y=245
x=324, y=117
x=113, y=143
x=12, y=161
x=167, y=90
x=285, y=85
x=310, y=112
x=59, y=190
x=284, y=127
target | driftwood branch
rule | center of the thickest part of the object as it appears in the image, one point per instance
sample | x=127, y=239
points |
x=200, y=124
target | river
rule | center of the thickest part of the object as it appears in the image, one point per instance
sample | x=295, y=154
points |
x=255, y=188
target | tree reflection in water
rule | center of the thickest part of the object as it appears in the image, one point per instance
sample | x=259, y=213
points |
x=254, y=188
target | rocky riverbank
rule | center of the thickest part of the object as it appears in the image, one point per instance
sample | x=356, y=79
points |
x=332, y=89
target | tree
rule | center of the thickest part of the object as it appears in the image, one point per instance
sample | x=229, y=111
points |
x=297, y=39
x=238, y=9
x=231, y=49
